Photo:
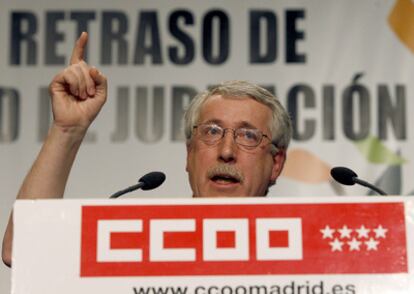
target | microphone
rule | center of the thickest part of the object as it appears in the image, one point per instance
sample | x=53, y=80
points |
x=348, y=177
x=149, y=181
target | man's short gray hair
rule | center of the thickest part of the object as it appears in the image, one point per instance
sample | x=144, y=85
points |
x=280, y=126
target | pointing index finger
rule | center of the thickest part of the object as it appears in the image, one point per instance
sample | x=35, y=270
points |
x=78, y=50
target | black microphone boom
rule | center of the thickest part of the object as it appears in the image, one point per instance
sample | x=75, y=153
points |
x=149, y=181
x=348, y=177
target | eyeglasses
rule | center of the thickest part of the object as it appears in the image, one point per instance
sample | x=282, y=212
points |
x=212, y=133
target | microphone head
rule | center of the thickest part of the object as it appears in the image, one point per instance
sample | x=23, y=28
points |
x=344, y=175
x=152, y=180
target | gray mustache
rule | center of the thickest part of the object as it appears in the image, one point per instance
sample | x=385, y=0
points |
x=225, y=170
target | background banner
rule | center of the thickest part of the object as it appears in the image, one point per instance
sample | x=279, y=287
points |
x=343, y=69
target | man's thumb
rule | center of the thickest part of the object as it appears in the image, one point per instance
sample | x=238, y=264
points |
x=98, y=77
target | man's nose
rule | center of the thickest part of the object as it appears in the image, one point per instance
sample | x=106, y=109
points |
x=228, y=147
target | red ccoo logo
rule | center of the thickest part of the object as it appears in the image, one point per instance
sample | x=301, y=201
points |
x=161, y=240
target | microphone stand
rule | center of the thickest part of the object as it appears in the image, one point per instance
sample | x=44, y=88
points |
x=127, y=190
x=370, y=186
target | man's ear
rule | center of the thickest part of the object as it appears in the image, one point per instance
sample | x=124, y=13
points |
x=188, y=147
x=278, y=163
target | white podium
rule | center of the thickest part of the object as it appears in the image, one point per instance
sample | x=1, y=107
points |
x=214, y=246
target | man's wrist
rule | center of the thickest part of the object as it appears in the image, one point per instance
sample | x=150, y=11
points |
x=71, y=134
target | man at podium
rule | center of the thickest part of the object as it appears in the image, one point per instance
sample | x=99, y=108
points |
x=236, y=133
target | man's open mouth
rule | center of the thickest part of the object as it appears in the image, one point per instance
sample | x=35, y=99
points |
x=225, y=179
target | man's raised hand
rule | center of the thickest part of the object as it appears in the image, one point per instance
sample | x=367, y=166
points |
x=78, y=92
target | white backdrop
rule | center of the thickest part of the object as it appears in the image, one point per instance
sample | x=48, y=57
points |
x=343, y=68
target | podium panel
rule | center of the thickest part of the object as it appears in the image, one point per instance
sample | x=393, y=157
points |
x=214, y=246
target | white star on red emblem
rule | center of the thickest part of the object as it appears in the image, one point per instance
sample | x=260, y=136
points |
x=354, y=244
x=336, y=245
x=380, y=232
x=363, y=232
x=345, y=232
x=327, y=232
x=372, y=244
